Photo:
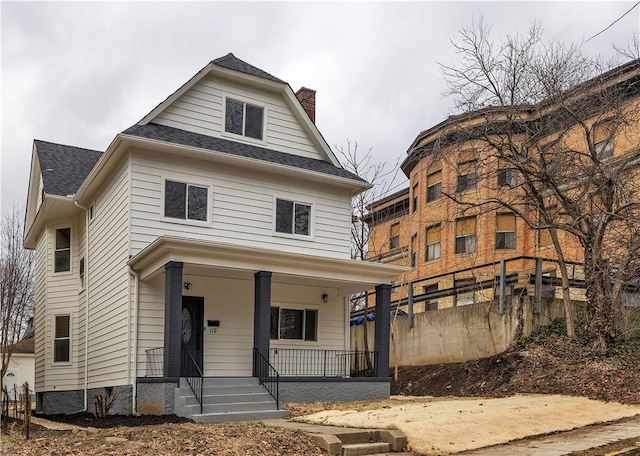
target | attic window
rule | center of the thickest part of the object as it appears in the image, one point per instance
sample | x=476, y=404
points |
x=244, y=119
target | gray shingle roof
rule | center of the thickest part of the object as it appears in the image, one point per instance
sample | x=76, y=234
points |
x=231, y=62
x=64, y=168
x=187, y=138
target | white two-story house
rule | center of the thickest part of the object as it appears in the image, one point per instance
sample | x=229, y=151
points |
x=200, y=265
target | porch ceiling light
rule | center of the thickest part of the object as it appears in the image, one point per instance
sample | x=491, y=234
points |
x=187, y=285
x=325, y=297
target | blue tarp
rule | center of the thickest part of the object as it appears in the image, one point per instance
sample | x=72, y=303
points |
x=355, y=321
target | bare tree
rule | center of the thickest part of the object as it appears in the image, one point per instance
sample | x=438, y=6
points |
x=384, y=179
x=16, y=283
x=555, y=134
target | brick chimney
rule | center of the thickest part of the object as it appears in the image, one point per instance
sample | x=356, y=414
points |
x=307, y=98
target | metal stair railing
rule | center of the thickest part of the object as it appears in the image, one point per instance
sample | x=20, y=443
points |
x=267, y=375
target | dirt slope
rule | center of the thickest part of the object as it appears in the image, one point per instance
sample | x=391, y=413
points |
x=546, y=363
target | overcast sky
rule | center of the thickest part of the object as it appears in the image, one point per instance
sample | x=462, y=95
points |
x=79, y=73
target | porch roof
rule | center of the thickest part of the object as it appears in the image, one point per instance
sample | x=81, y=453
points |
x=349, y=276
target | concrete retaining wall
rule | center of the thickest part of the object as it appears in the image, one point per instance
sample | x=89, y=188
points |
x=460, y=333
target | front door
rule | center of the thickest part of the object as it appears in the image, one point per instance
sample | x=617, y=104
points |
x=192, y=330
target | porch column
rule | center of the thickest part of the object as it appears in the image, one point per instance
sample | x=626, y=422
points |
x=381, y=341
x=172, y=318
x=262, y=313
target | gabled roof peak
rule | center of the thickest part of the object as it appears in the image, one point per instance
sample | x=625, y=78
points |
x=232, y=62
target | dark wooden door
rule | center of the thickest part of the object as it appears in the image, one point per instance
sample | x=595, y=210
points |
x=192, y=332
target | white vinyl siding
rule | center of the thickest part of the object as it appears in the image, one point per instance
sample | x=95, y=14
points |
x=108, y=283
x=201, y=110
x=243, y=207
x=229, y=351
x=61, y=299
x=40, y=311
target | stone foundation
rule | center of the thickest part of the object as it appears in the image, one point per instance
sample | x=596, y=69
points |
x=348, y=389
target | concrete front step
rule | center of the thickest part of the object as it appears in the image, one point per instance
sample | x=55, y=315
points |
x=239, y=416
x=359, y=449
x=224, y=381
x=230, y=408
x=190, y=399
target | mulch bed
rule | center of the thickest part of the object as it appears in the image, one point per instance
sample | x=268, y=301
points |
x=111, y=421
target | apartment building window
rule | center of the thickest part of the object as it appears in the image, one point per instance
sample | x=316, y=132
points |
x=467, y=176
x=394, y=236
x=295, y=324
x=465, y=297
x=434, y=186
x=185, y=201
x=431, y=303
x=244, y=119
x=432, y=250
x=416, y=199
x=465, y=235
x=507, y=177
x=505, y=231
x=62, y=254
x=81, y=273
x=603, y=139
x=293, y=217
x=414, y=241
x=61, y=345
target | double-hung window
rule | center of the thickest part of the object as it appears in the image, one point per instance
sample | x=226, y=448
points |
x=293, y=217
x=505, y=231
x=294, y=324
x=394, y=236
x=244, y=119
x=414, y=241
x=467, y=176
x=61, y=345
x=507, y=177
x=465, y=235
x=81, y=273
x=434, y=186
x=62, y=254
x=431, y=303
x=416, y=199
x=185, y=201
x=433, y=242
x=464, y=297
x=603, y=139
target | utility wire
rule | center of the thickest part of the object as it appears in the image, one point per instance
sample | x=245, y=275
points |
x=611, y=25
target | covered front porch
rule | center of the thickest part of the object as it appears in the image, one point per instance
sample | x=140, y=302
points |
x=230, y=311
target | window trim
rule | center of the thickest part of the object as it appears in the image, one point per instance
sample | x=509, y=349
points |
x=312, y=219
x=196, y=183
x=53, y=346
x=71, y=249
x=245, y=101
x=304, y=309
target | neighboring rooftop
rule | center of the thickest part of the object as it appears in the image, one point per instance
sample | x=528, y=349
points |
x=231, y=62
x=24, y=346
x=64, y=168
x=190, y=139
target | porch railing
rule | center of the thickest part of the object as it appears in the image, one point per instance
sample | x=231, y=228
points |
x=267, y=375
x=295, y=362
x=155, y=362
x=193, y=375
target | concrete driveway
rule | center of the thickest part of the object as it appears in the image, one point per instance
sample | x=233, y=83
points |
x=451, y=426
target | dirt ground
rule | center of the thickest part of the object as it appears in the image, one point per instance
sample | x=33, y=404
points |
x=158, y=436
